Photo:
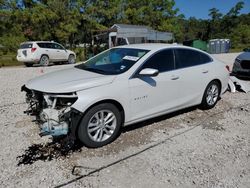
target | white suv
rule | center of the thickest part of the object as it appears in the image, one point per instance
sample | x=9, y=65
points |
x=44, y=52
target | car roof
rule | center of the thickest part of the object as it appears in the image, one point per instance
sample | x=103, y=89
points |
x=158, y=46
x=38, y=41
x=152, y=46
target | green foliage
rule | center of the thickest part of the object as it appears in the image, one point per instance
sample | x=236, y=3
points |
x=62, y=21
x=8, y=59
x=240, y=36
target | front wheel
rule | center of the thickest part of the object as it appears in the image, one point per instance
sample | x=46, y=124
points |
x=71, y=59
x=100, y=125
x=211, y=95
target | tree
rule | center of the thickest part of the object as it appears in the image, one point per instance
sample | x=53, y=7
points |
x=235, y=11
x=214, y=14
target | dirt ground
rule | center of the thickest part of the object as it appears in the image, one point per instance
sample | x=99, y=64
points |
x=189, y=148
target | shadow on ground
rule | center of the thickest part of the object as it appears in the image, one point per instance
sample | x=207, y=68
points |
x=61, y=148
x=58, y=148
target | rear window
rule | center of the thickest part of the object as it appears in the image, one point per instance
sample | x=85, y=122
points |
x=187, y=58
x=45, y=44
x=25, y=45
x=42, y=45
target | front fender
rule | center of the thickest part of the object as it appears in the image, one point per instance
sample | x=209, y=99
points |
x=89, y=97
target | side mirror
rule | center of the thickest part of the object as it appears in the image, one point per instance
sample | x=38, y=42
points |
x=149, y=72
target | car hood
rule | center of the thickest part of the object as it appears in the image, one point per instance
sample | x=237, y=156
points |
x=244, y=56
x=68, y=80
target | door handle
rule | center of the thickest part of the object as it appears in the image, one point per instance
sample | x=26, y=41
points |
x=175, y=77
x=205, y=71
x=58, y=51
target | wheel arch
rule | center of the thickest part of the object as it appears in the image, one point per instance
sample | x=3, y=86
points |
x=217, y=80
x=72, y=54
x=111, y=101
x=44, y=55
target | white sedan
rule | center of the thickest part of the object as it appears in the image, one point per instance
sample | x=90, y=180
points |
x=121, y=86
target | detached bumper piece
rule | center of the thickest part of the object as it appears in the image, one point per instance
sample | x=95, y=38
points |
x=242, y=84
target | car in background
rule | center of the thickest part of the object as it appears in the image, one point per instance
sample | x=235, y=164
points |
x=122, y=86
x=44, y=53
x=241, y=67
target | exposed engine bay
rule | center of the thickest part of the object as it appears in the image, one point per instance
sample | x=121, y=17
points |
x=53, y=112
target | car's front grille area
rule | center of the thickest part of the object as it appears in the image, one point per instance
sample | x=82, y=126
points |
x=245, y=64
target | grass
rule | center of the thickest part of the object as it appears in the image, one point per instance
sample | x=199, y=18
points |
x=9, y=60
x=234, y=50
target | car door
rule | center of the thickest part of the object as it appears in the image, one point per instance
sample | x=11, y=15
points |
x=150, y=96
x=194, y=70
x=48, y=49
x=60, y=52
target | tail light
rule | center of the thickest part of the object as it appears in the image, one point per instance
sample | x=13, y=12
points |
x=228, y=68
x=33, y=49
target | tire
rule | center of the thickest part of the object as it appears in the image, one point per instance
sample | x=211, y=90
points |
x=93, y=132
x=211, y=95
x=44, y=60
x=71, y=59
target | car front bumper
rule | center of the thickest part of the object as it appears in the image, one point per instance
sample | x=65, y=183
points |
x=239, y=71
x=53, y=112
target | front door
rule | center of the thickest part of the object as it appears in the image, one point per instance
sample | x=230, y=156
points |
x=154, y=95
x=59, y=52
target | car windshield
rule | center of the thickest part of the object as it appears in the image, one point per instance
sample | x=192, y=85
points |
x=113, y=61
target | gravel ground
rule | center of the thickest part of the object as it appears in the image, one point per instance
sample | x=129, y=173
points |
x=190, y=148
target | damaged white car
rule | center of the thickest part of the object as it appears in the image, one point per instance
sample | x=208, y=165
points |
x=122, y=86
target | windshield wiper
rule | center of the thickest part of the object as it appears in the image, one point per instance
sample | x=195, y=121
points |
x=91, y=69
x=95, y=70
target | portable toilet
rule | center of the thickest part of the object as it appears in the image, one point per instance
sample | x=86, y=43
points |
x=228, y=45
x=217, y=46
x=222, y=46
x=212, y=46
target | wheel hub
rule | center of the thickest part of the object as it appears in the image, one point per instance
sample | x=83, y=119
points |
x=101, y=125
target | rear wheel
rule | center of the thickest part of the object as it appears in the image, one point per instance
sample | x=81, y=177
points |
x=44, y=60
x=100, y=125
x=71, y=59
x=211, y=95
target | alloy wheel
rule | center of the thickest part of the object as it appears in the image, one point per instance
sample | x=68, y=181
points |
x=102, y=125
x=212, y=94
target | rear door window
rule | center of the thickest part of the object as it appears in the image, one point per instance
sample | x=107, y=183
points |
x=26, y=45
x=42, y=45
x=48, y=45
x=188, y=58
x=162, y=61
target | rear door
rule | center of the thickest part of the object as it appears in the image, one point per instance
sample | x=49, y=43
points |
x=194, y=70
x=49, y=50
